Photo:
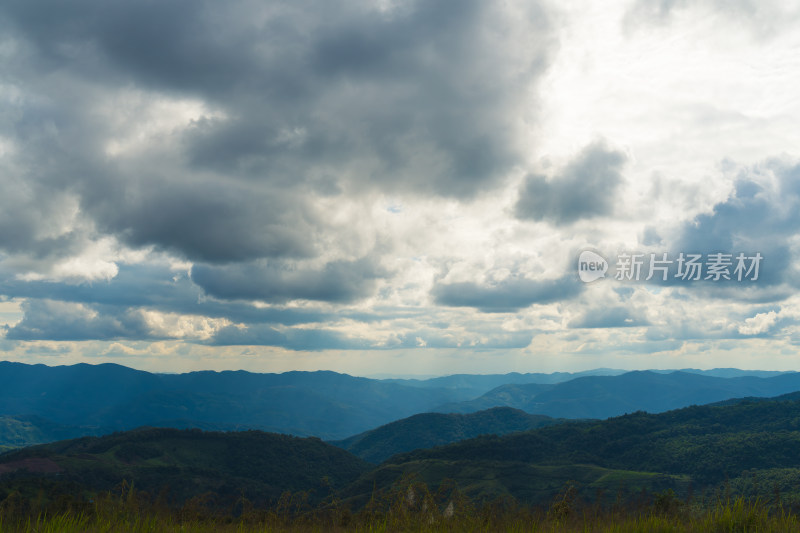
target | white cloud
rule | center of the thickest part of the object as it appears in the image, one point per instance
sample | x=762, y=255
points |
x=761, y=323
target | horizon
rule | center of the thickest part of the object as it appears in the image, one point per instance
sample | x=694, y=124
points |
x=429, y=377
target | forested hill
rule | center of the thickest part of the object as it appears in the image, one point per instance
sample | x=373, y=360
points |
x=427, y=430
x=185, y=464
x=699, y=446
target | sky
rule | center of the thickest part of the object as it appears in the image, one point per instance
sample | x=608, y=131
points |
x=399, y=187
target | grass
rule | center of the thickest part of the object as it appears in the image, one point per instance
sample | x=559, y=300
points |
x=737, y=516
x=410, y=507
x=484, y=479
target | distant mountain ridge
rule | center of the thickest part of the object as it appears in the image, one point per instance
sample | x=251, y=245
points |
x=111, y=397
x=480, y=383
x=607, y=396
x=42, y=403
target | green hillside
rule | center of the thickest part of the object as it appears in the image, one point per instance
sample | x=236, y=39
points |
x=436, y=429
x=701, y=446
x=187, y=463
x=748, y=448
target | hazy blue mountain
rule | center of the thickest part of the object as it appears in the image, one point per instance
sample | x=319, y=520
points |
x=98, y=399
x=606, y=396
x=103, y=398
x=514, y=395
x=435, y=429
x=479, y=384
x=729, y=372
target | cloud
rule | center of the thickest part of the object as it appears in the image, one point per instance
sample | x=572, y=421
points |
x=422, y=98
x=155, y=287
x=66, y=321
x=764, y=18
x=63, y=321
x=759, y=324
x=508, y=295
x=760, y=216
x=336, y=281
x=299, y=339
x=608, y=317
x=204, y=220
x=315, y=339
x=312, y=175
x=585, y=188
x=484, y=340
x=240, y=132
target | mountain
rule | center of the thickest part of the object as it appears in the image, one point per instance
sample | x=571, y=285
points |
x=108, y=397
x=752, y=447
x=696, y=446
x=512, y=395
x=187, y=463
x=606, y=396
x=729, y=372
x=435, y=429
x=98, y=399
x=477, y=384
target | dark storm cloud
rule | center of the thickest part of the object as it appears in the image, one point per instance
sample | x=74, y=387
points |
x=337, y=281
x=310, y=98
x=421, y=99
x=179, y=44
x=204, y=220
x=585, y=188
x=506, y=296
x=292, y=102
x=23, y=209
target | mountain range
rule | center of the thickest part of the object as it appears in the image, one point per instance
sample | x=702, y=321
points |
x=607, y=396
x=40, y=403
x=747, y=446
